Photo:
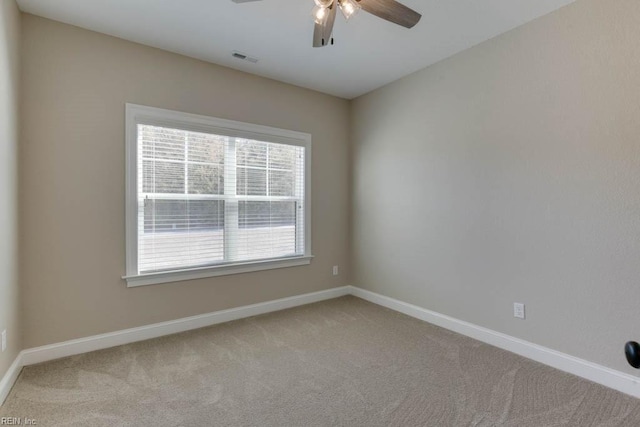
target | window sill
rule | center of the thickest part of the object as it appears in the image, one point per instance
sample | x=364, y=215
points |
x=222, y=270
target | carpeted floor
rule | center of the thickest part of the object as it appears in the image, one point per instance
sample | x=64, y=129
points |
x=343, y=362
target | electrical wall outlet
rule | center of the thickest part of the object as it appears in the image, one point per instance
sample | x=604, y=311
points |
x=518, y=310
x=4, y=340
x=335, y=270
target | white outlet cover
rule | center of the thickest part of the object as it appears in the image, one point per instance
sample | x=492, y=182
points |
x=4, y=340
x=335, y=270
x=518, y=310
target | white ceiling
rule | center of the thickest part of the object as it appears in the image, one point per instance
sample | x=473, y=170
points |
x=368, y=52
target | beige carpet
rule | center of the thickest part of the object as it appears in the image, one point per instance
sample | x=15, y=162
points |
x=343, y=362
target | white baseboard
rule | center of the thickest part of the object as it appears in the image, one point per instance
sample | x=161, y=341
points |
x=98, y=342
x=607, y=377
x=10, y=378
x=126, y=336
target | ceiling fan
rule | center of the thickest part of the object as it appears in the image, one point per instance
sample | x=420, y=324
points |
x=324, y=14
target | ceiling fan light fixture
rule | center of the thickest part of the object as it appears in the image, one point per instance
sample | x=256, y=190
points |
x=324, y=3
x=320, y=14
x=348, y=8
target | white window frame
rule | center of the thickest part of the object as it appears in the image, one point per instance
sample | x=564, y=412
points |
x=139, y=114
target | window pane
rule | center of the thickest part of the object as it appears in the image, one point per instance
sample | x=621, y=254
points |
x=179, y=215
x=206, y=179
x=251, y=153
x=282, y=156
x=206, y=148
x=162, y=177
x=263, y=214
x=181, y=233
x=161, y=143
x=266, y=229
x=281, y=183
x=251, y=182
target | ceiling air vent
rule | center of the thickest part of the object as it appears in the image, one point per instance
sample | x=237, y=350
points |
x=244, y=57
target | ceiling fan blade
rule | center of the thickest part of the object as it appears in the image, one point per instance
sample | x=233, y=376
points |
x=318, y=34
x=322, y=32
x=392, y=11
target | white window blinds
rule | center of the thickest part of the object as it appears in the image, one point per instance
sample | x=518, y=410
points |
x=205, y=199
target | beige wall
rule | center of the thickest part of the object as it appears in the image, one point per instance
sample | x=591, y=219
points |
x=9, y=85
x=76, y=84
x=511, y=172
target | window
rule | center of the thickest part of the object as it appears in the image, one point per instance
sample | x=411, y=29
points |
x=207, y=197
